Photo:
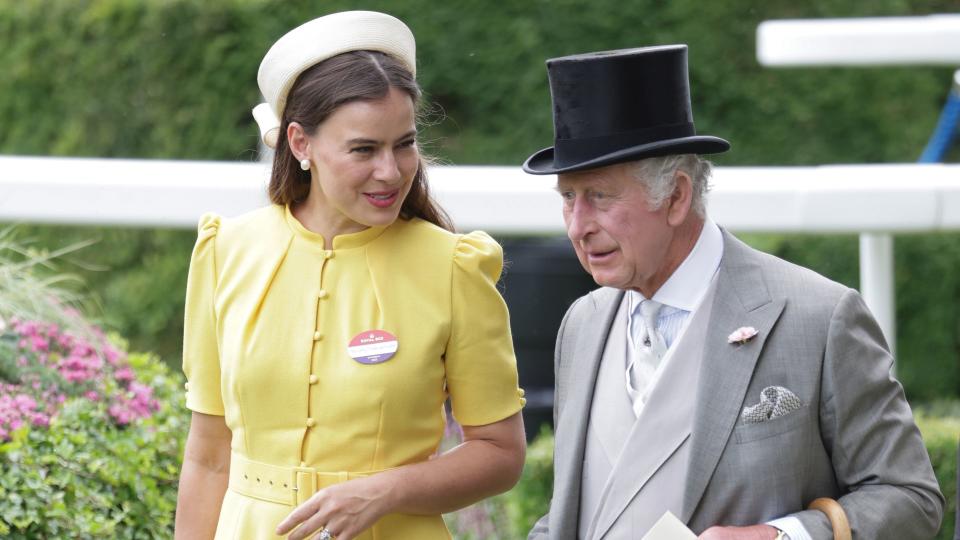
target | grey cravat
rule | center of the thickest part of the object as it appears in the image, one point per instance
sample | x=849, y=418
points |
x=650, y=349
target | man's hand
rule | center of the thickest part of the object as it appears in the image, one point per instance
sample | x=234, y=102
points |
x=753, y=532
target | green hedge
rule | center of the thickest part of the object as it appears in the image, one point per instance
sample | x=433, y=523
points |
x=176, y=79
x=940, y=426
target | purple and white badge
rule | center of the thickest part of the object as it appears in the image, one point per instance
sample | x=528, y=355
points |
x=373, y=347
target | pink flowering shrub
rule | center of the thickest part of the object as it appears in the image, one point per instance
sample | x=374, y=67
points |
x=90, y=437
x=50, y=365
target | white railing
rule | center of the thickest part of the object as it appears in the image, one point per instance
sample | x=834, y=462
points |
x=867, y=41
x=872, y=199
x=155, y=193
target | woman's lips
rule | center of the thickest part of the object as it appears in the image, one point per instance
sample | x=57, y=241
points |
x=384, y=199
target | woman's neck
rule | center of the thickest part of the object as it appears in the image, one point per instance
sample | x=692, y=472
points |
x=316, y=216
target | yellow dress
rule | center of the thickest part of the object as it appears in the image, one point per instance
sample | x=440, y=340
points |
x=269, y=319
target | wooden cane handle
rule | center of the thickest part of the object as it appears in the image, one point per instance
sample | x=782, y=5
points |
x=836, y=515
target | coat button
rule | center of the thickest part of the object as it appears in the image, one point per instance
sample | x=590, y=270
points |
x=311, y=422
x=314, y=379
x=322, y=294
x=317, y=336
x=328, y=255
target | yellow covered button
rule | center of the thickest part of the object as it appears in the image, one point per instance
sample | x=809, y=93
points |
x=311, y=422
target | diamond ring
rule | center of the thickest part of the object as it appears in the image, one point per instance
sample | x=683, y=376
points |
x=325, y=534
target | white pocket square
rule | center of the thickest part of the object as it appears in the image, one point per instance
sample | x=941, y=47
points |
x=775, y=401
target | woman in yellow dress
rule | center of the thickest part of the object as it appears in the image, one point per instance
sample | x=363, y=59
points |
x=325, y=332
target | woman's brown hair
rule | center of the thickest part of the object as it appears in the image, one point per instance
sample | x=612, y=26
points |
x=317, y=93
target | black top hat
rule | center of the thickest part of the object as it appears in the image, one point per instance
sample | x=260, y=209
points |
x=616, y=106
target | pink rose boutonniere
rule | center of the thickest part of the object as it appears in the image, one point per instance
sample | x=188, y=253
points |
x=742, y=335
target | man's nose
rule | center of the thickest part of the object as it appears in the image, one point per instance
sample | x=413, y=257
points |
x=579, y=219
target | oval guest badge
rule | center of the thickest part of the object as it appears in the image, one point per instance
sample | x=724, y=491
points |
x=373, y=347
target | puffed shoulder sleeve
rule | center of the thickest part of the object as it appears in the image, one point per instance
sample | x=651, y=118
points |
x=201, y=359
x=480, y=363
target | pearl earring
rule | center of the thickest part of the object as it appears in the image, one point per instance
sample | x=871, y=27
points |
x=305, y=164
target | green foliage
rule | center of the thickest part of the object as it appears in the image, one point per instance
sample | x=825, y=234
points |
x=97, y=436
x=530, y=498
x=928, y=314
x=940, y=426
x=27, y=294
x=176, y=79
x=512, y=514
x=138, y=279
x=86, y=477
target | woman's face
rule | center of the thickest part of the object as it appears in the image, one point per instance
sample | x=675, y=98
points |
x=364, y=157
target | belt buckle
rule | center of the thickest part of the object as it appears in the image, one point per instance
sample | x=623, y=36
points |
x=305, y=484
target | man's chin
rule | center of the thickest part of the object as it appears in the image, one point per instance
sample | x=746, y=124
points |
x=606, y=280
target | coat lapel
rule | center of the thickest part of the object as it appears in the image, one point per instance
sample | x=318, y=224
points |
x=742, y=299
x=571, y=431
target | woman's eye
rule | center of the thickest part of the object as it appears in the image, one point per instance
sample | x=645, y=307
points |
x=362, y=150
x=407, y=144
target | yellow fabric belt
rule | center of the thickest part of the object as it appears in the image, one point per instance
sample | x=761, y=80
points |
x=284, y=485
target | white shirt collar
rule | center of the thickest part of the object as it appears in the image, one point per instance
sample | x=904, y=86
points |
x=689, y=282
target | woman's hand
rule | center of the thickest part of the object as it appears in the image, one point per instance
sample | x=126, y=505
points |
x=489, y=461
x=345, y=510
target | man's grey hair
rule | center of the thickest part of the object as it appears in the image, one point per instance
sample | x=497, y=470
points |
x=659, y=177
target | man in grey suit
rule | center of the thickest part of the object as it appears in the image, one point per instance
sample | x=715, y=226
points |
x=705, y=378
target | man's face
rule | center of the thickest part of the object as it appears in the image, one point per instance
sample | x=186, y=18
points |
x=619, y=240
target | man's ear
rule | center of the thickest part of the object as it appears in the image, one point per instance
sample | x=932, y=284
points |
x=680, y=202
x=298, y=141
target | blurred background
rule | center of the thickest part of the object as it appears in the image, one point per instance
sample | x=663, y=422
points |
x=176, y=79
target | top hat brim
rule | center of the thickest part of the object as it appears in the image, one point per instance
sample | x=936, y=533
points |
x=542, y=162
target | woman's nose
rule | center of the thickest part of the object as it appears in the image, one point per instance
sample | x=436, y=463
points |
x=388, y=169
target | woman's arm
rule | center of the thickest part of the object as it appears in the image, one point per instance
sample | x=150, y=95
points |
x=203, y=479
x=489, y=461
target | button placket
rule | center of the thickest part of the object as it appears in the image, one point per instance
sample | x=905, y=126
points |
x=318, y=337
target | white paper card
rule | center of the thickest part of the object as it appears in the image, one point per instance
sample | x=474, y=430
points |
x=669, y=527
